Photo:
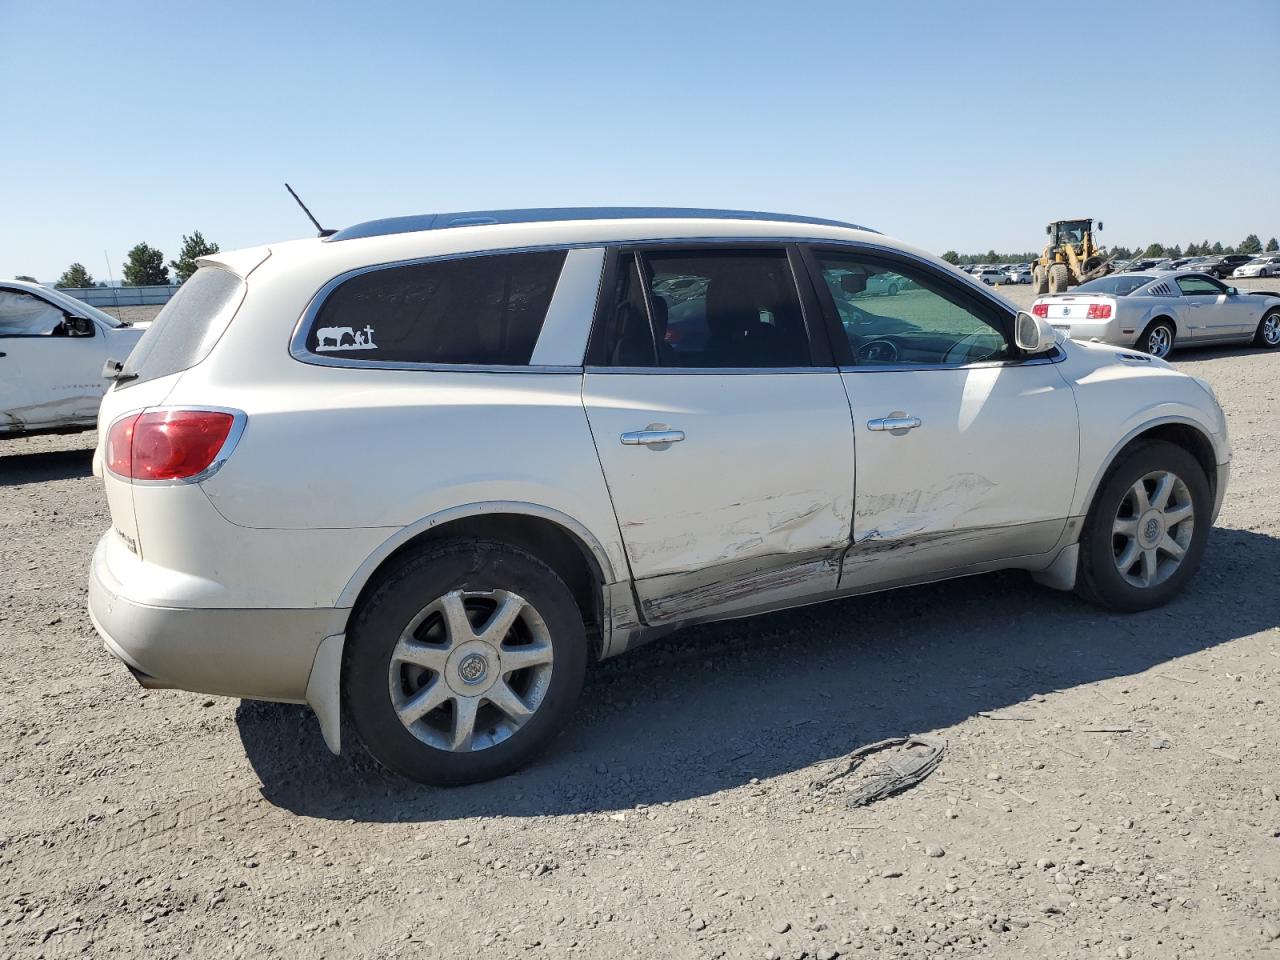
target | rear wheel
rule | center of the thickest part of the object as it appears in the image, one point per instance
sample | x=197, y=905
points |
x=464, y=663
x=1058, y=278
x=1039, y=281
x=1146, y=529
x=1268, y=336
x=1157, y=339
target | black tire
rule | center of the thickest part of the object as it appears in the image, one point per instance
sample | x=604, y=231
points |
x=1149, y=342
x=1059, y=278
x=1097, y=578
x=1268, y=335
x=438, y=569
x=1039, y=281
x=893, y=289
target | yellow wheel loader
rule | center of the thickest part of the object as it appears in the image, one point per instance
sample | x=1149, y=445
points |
x=1070, y=257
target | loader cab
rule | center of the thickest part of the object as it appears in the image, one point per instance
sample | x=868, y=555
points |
x=1069, y=231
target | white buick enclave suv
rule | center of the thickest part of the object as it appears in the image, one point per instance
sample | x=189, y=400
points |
x=418, y=473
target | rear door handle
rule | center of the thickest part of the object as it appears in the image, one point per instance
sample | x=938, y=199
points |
x=894, y=423
x=649, y=438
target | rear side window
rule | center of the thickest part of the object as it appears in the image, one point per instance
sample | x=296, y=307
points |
x=707, y=308
x=187, y=328
x=485, y=310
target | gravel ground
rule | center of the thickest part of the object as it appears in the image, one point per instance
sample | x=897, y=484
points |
x=1111, y=788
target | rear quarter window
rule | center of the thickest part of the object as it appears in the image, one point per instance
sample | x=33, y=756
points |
x=184, y=332
x=478, y=310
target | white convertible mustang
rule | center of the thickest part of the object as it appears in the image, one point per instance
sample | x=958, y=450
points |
x=1158, y=311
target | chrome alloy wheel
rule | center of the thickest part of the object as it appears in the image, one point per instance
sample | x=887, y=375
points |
x=1271, y=329
x=1159, y=342
x=1153, y=529
x=470, y=669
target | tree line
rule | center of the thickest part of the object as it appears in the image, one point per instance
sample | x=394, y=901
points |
x=1250, y=245
x=144, y=266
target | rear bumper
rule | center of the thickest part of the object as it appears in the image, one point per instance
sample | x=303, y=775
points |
x=264, y=654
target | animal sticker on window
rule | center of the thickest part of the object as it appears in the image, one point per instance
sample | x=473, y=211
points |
x=329, y=339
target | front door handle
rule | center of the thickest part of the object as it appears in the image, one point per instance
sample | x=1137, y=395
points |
x=894, y=423
x=650, y=438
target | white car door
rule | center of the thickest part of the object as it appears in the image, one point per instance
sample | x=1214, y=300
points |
x=49, y=377
x=722, y=428
x=966, y=453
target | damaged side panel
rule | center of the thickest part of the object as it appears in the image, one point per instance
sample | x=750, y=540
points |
x=738, y=588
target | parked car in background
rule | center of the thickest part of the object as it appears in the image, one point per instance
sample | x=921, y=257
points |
x=1141, y=263
x=1017, y=275
x=1159, y=311
x=52, y=351
x=508, y=472
x=1223, y=266
x=1267, y=265
x=989, y=275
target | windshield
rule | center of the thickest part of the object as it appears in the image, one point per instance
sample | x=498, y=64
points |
x=1119, y=286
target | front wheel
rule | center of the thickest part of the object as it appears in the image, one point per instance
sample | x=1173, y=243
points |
x=1268, y=335
x=1145, y=532
x=1157, y=339
x=1059, y=278
x=464, y=663
x=1039, y=281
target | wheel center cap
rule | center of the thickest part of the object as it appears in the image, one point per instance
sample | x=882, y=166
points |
x=1151, y=528
x=472, y=668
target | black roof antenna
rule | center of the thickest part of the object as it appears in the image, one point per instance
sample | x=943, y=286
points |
x=323, y=231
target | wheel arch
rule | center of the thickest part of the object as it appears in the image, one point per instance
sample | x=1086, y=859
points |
x=560, y=541
x=1183, y=432
x=1155, y=316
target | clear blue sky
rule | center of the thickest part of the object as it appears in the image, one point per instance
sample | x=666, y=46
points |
x=960, y=126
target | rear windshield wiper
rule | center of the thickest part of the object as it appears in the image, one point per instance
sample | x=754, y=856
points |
x=114, y=370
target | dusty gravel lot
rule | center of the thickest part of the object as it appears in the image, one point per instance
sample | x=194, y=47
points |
x=675, y=818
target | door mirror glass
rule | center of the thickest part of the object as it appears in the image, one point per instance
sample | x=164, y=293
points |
x=1232, y=291
x=1099, y=227
x=854, y=283
x=1033, y=335
x=78, y=326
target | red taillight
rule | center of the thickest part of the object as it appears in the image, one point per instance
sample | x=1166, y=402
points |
x=166, y=444
x=1099, y=311
x=1041, y=310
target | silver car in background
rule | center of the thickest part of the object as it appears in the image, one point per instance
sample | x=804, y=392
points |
x=1156, y=311
x=1267, y=265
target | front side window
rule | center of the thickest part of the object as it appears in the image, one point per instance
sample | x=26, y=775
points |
x=484, y=310
x=1199, y=287
x=707, y=309
x=892, y=314
x=25, y=315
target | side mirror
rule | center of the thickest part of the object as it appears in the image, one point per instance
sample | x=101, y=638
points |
x=78, y=326
x=853, y=282
x=1033, y=335
x=1232, y=291
x=1099, y=224
x=1048, y=228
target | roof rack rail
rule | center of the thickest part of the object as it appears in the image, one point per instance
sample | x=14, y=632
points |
x=471, y=218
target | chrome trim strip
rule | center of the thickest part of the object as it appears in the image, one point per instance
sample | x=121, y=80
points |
x=298, y=347
x=901, y=367
x=711, y=371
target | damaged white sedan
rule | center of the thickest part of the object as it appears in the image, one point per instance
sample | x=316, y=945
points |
x=53, y=349
x=419, y=472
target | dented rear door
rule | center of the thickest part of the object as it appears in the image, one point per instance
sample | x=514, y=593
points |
x=733, y=485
